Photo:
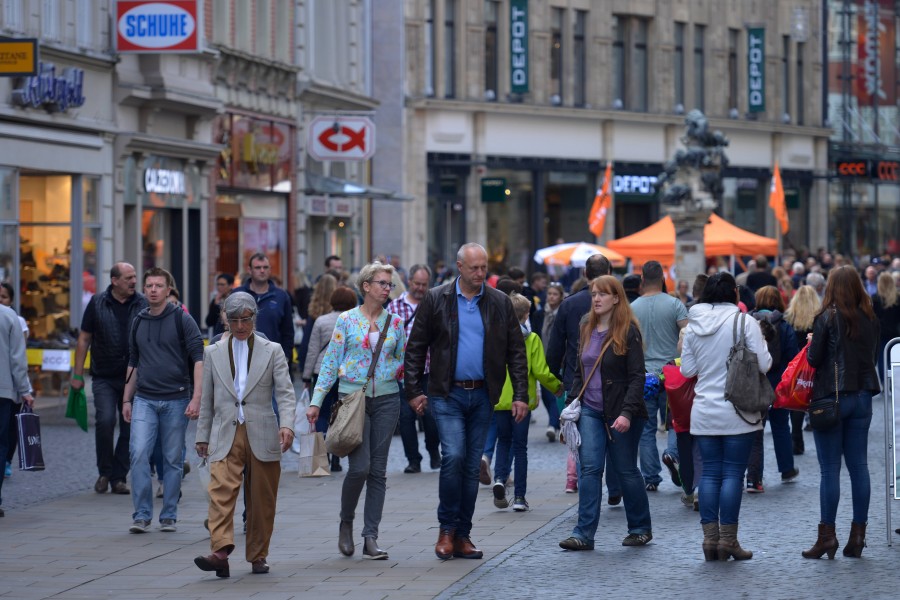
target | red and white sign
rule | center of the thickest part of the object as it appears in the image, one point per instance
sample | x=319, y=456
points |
x=341, y=138
x=157, y=26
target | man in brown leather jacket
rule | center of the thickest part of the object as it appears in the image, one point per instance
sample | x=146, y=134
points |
x=474, y=336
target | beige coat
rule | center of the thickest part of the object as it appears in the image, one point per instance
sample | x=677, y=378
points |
x=268, y=371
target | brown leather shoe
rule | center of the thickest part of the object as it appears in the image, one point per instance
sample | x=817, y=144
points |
x=464, y=548
x=213, y=563
x=119, y=487
x=101, y=484
x=444, y=547
x=260, y=566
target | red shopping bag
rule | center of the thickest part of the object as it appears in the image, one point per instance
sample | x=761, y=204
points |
x=794, y=391
x=680, y=393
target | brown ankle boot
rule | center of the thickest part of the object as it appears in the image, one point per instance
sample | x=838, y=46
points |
x=710, y=540
x=826, y=544
x=729, y=546
x=857, y=540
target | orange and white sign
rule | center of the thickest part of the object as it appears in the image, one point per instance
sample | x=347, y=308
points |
x=341, y=138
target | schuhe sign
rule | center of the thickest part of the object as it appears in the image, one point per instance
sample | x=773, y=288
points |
x=157, y=27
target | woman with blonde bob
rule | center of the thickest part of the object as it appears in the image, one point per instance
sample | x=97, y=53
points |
x=800, y=315
x=613, y=413
x=887, y=309
x=347, y=360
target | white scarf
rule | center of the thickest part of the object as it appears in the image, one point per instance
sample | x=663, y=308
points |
x=241, y=351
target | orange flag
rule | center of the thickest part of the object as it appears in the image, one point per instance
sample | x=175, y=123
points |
x=602, y=203
x=776, y=200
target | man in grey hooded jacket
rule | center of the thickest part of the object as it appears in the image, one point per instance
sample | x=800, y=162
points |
x=164, y=353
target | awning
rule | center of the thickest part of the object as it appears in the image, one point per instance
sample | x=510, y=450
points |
x=318, y=185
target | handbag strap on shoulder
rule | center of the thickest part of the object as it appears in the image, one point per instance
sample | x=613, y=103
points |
x=377, y=353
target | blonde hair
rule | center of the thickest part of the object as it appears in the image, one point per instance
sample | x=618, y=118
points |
x=520, y=304
x=802, y=310
x=887, y=290
x=367, y=273
x=320, y=303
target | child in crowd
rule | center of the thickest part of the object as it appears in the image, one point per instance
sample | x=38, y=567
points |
x=511, y=435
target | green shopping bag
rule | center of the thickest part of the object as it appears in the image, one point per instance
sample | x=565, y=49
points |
x=77, y=407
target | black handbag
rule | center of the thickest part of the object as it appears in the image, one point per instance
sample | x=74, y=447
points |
x=825, y=414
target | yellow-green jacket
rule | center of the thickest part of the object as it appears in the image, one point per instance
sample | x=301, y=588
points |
x=537, y=371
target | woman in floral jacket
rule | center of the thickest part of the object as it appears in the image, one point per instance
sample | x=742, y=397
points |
x=347, y=360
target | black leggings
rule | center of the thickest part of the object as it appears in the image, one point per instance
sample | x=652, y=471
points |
x=685, y=443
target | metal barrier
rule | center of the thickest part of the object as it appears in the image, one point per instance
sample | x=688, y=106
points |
x=891, y=394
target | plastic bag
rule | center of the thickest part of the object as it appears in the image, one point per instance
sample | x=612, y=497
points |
x=204, y=477
x=794, y=391
x=680, y=394
x=300, y=422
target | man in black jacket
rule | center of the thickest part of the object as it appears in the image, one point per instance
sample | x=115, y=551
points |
x=474, y=336
x=104, y=330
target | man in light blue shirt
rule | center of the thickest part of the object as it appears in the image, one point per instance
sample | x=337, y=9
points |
x=473, y=335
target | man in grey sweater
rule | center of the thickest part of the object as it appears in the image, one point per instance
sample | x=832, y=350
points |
x=14, y=382
x=165, y=369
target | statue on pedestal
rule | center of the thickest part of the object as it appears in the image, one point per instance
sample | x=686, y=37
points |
x=692, y=189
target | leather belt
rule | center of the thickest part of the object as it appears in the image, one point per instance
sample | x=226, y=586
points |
x=470, y=384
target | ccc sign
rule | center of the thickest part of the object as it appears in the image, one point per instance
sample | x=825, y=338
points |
x=888, y=170
x=853, y=168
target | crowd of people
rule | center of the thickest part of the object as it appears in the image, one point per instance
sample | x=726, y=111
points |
x=468, y=360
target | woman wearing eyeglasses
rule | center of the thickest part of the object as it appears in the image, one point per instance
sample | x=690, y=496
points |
x=347, y=360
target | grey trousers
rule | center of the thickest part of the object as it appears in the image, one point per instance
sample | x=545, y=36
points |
x=368, y=463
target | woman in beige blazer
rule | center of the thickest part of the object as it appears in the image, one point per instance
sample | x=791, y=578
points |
x=239, y=433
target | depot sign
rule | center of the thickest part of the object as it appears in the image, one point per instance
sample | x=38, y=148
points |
x=341, y=138
x=756, y=69
x=157, y=27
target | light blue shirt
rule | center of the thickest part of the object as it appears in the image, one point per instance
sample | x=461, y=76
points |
x=470, y=345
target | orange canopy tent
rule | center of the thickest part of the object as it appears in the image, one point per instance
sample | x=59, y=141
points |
x=721, y=238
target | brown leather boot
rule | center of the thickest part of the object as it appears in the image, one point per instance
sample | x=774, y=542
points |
x=711, y=540
x=826, y=544
x=728, y=546
x=444, y=547
x=857, y=540
x=345, y=538
x=464, y=548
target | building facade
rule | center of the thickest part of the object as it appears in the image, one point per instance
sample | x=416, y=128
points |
x=57, y=216
x=533, y=98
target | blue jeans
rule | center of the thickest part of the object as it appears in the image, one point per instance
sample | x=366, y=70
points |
x=408, y=434
x=721, y=483
x=149, y=419
x=650, y=465
x=490, y=440
x=850, y=439
x=512, y=440
x=462, y=420
x=552, y=406
x=112, y=461
x=623, y=455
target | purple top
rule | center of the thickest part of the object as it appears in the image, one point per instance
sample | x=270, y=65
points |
x=593, y=393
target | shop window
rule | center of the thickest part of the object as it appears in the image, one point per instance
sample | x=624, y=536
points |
x=45, y=211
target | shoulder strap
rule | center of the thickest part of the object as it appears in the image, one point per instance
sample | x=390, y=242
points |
x=594, y=368
x=384, y=332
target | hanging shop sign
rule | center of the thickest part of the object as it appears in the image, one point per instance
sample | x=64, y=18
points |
x=518, y=40
x=341, y=138
x=157, y=27
x=52, y=91
x=883, y=171
x=18, y=57
x=164, y=181
x=644, y=185
x=257, y=153
x=756, y=69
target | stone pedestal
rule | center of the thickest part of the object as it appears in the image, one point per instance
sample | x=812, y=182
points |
x=690, y=253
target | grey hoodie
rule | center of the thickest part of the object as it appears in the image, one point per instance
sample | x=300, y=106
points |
x=707, y=340
x=162, y=360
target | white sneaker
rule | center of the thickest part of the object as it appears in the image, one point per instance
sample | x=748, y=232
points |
x=551, y=434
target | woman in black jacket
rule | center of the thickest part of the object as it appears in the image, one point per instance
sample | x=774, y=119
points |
x=844, y=342
x=887, y=310
x=613, y=413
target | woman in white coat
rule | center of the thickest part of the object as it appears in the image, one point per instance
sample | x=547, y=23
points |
x=723, y=435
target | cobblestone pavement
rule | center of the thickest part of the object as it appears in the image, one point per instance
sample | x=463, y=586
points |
x=62, y=540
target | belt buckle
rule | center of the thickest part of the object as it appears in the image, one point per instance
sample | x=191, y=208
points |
x=469, y=385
